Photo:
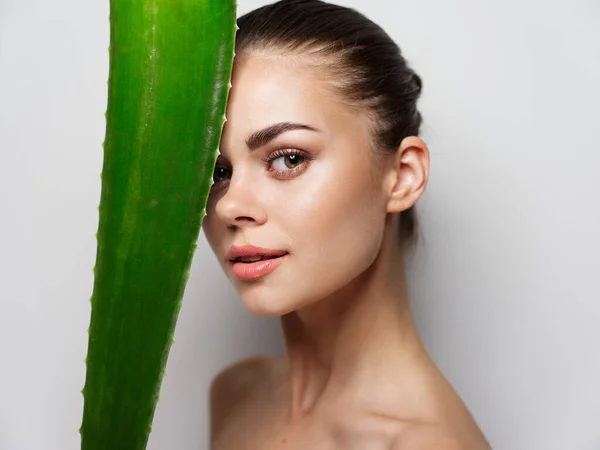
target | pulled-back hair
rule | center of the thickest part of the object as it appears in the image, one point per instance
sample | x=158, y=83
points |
x=364, y=65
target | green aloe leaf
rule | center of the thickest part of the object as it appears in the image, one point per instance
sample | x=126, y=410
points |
x=170, y=70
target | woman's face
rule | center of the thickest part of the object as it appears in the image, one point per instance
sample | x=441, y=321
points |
x=296, y=174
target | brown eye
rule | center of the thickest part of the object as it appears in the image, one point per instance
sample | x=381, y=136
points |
x=283, y=162
x=221, y=173
x=292, y=161
x=287, y=163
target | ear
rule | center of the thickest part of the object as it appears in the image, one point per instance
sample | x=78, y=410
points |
x=407, y=176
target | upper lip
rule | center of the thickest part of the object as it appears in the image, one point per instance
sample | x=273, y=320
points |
x=249, y=250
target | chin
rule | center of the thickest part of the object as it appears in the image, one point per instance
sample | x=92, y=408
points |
x=259, y=302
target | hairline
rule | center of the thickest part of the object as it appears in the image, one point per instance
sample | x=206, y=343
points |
x=319, y=58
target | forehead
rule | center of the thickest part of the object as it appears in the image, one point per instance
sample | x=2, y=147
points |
x=268, y=89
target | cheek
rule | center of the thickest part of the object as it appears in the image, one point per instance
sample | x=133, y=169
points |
x=339, y=225
x=349, y=248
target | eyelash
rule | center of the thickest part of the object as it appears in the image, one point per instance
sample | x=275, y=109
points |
x=280, y=174
x=283, y=152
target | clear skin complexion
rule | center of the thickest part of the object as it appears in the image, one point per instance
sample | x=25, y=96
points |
x=356, y=374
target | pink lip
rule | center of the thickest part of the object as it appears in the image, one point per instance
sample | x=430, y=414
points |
x=252, y=250
x=251, y=271
x=257, y=269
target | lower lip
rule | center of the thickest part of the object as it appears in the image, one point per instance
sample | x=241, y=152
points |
x=250, y=271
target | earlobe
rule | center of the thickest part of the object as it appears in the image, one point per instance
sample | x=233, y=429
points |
x=408, y=176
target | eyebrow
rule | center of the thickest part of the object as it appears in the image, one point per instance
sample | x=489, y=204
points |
x=263, y=137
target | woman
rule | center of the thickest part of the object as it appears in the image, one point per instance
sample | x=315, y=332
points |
x=312, y=205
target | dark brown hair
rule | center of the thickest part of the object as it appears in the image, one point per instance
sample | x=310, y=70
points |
x=365, y=65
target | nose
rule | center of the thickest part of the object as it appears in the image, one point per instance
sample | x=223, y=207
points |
x=240, y=206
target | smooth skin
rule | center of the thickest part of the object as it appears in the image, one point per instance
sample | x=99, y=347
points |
x=356, y=374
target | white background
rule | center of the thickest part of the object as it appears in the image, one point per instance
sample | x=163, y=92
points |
x=504, y=285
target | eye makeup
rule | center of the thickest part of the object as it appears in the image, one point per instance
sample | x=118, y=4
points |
x=301, y=158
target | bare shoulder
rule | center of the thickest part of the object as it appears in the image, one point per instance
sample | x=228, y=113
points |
x=235, y=385
x=429, y=437
x=239, y=377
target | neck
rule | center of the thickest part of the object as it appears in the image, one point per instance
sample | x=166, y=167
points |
x=360, y=336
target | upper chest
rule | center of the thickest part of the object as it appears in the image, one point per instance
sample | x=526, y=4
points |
x=259, y=424
x=282, y=438
x=258, y=419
